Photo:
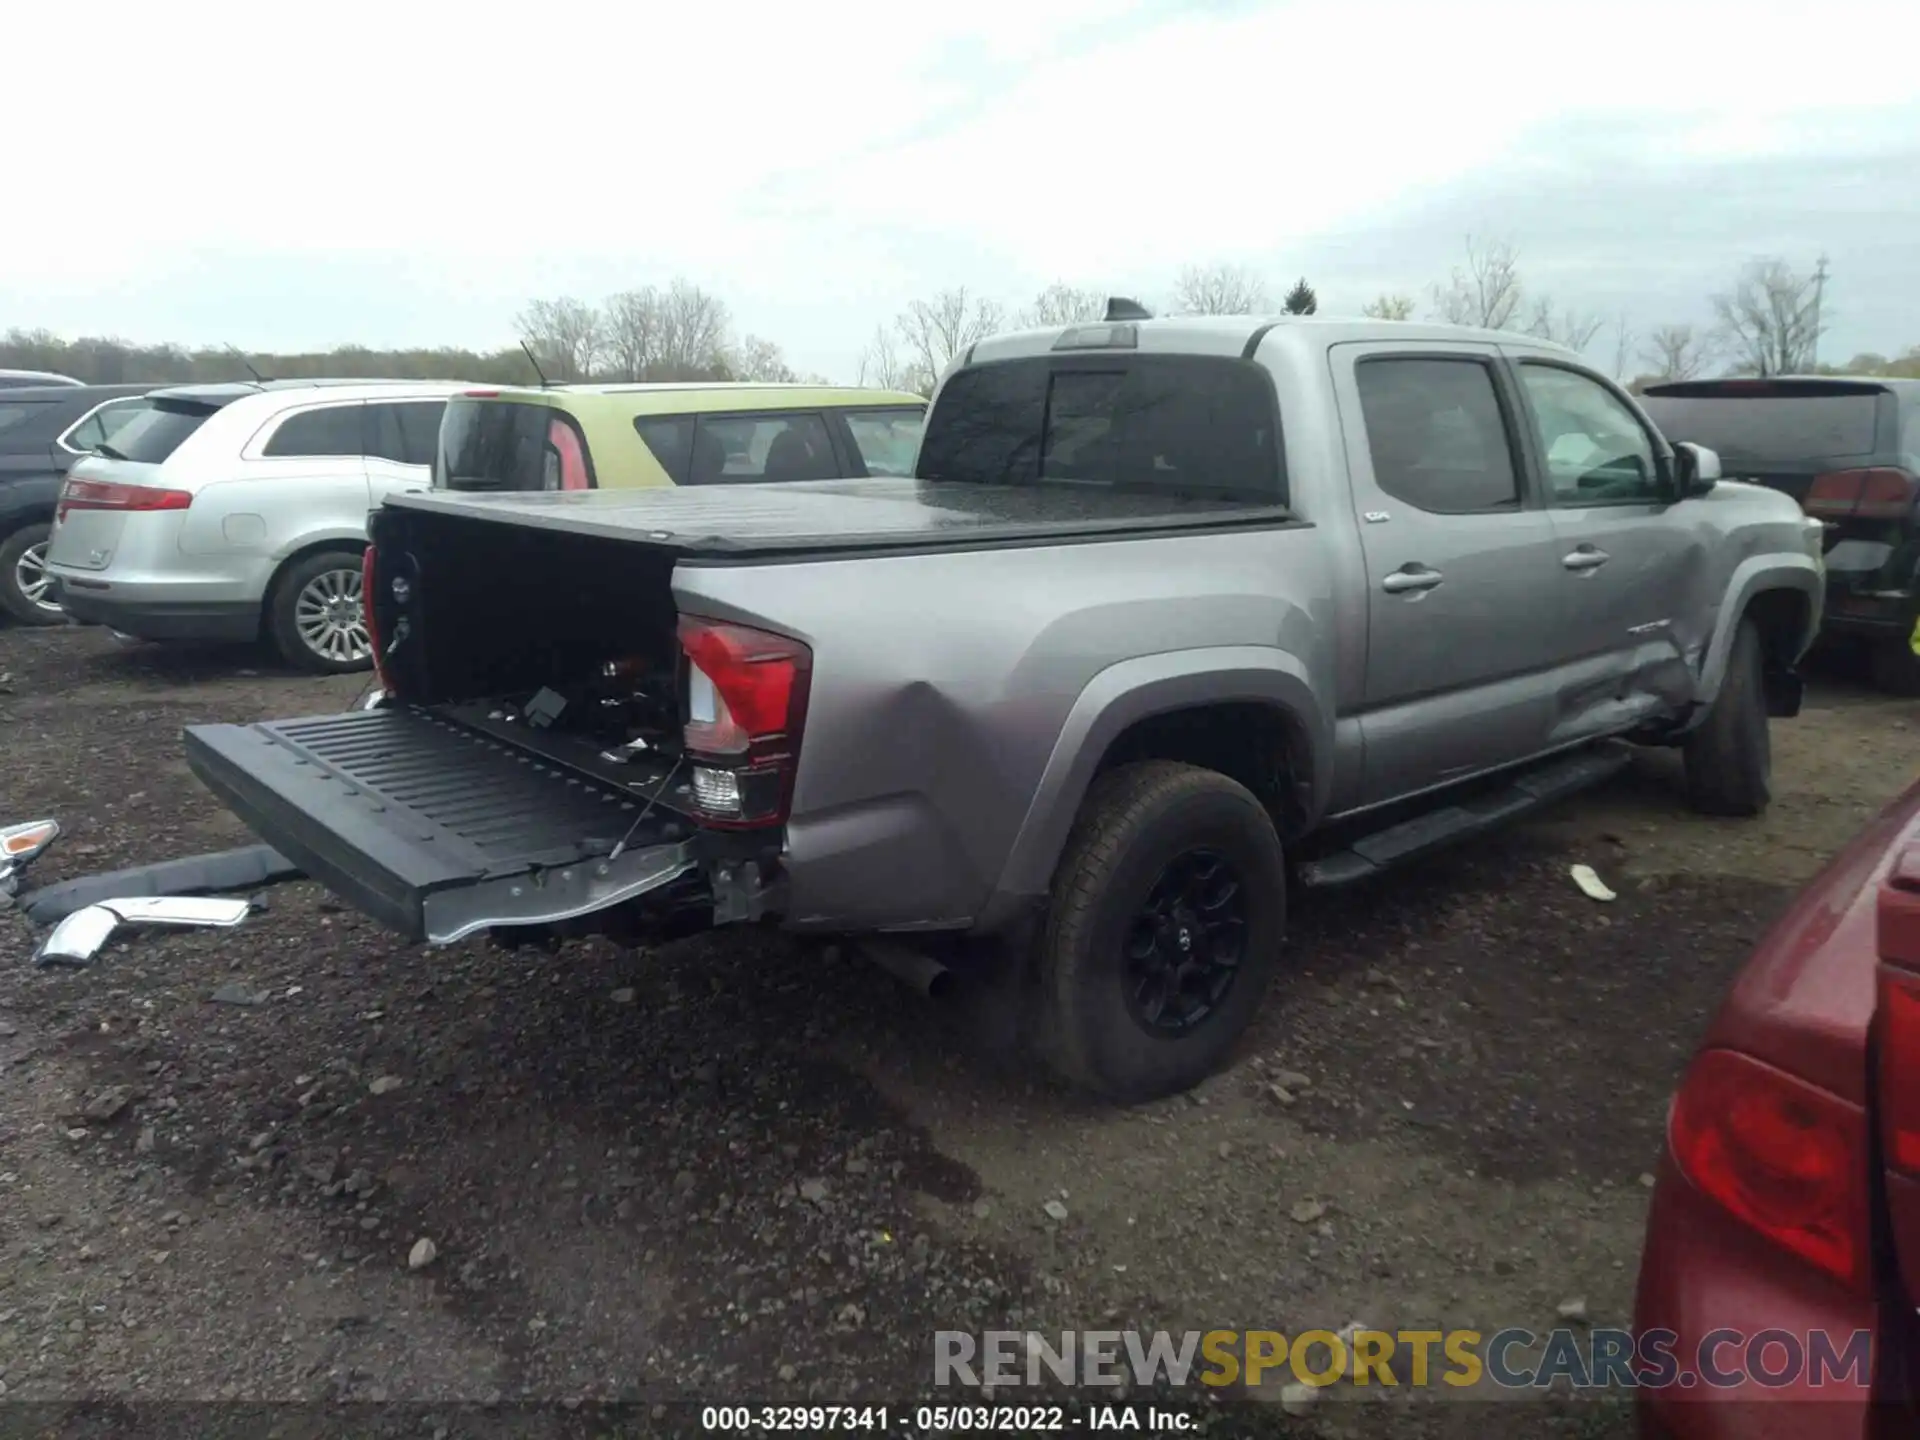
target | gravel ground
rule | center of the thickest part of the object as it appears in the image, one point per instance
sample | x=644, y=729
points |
x=736, y=1168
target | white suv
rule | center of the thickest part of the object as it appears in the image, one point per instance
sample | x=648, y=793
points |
x=233, y=512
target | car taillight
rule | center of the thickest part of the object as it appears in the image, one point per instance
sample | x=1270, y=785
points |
x=573, y=460
x=369, y=568
x=1787, y=1159
x=1897, y=922
x=1881, y=493
x=746, y=703
x=105, y=495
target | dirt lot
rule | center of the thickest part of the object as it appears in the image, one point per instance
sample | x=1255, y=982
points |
x=735, y=1169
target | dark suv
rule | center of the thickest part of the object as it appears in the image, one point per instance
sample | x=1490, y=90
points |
x=1848, y=449
x=43, y=430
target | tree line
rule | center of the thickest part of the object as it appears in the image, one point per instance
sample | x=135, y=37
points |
x=1768, y=321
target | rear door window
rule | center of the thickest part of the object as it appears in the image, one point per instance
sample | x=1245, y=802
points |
x=18, y=412
x=886, y=439
x=751, y=448
x=406, y=432
x=154, y=429
x=329, y=431
x=1436, y=434
x=1182, y=424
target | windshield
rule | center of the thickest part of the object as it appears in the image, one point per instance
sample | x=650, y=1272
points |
x=1768, y=427
x=492, y=445
x=1178, y=424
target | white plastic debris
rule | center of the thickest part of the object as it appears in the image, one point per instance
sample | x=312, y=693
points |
x=1590, y=883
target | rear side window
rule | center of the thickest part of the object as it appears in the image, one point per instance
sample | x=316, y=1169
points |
x=1779, y=425
x=670, y=438
x=746, y=449
x=1186, y=425
x=405, y=432
x=333, y=430
x=18, y=412
x=1436, y=434
x=156, y=428
x=886, y=439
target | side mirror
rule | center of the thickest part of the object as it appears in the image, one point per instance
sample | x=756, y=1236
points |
x=1695, y=468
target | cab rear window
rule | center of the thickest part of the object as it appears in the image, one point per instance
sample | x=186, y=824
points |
x=509, y=445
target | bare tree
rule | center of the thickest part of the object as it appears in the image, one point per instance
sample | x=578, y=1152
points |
x=693, y=333
x=1220, y=290
x=1563, y=327
x=881, y=365
x=1623, y=338
x=1063, y=304
x=935, y=331
x=631, y=322
x=1770, y=322
x=564, y=335
x=1485, y=291
x=1389, y=307
x=1677, y=352
x=761, y=360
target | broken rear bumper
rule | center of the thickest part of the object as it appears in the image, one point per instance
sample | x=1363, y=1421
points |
x=439, y=832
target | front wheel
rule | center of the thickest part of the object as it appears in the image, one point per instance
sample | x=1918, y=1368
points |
x=1164, y=930
x=316, y=614
x=26, y=589
x=1729, y=755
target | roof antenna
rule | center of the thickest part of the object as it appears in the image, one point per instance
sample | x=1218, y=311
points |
x=240, y=355
x=545, y=383
x=1121, y=308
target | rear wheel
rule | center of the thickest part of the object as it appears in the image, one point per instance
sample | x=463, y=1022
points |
x=1729, y=755
x=316, y=616
x=26, y=589
x=1165, y=927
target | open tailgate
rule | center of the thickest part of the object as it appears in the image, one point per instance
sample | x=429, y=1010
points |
x=433, y=829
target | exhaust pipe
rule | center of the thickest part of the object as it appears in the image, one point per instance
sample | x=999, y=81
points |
x=916, y=969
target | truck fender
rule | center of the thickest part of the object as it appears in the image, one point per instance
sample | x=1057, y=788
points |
x=1134, y=690
x=1753, y=577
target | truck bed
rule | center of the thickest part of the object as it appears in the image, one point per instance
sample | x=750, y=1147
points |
x=720, y=523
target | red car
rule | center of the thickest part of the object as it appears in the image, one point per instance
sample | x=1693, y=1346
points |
x=1778, y=1286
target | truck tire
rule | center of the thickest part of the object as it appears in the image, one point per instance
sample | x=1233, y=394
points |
x=1729, y=756
x=314, y=615
x=23, y=555
x=1164, y=929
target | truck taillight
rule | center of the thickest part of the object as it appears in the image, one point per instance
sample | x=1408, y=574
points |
x=369, y=569
x=1785, y=1158
x=746, y=703
x=1880, y=493
x=106, y=495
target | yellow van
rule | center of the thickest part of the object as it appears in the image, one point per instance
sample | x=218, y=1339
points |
x=585, y=437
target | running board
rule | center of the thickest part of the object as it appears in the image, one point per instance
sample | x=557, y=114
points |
x=1524, y=792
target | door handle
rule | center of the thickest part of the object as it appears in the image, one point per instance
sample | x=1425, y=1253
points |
x=1401, y=581
x=1586, y=557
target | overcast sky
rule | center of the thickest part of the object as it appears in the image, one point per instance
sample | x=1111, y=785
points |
x=411, y=173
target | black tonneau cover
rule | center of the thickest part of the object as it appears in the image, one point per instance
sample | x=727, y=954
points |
x=792, y=519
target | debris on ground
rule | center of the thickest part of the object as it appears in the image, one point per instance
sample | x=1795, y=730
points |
x=1590, y=883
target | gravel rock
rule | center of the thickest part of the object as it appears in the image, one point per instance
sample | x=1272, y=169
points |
x=1298, y=1399
x=1574, y=1310
x=423, y=1254
x=813, y=1191
x=109, y=1103
x=1055, y=1210
x=1305, y=1212
x=386, y=1085
x=234, y=993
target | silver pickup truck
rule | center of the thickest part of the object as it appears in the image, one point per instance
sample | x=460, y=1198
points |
x=1173, y=616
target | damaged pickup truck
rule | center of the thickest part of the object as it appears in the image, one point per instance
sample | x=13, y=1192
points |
x=1173, y=617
